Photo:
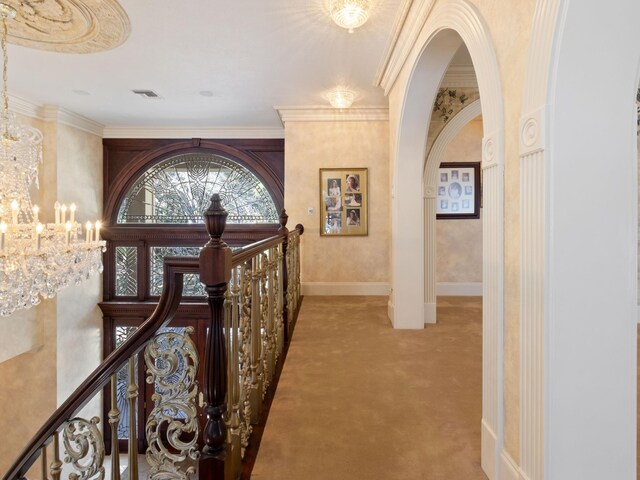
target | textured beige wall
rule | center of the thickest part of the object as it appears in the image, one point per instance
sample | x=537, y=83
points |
x=459, y=242
x=511, y=44
x=61, y=338
x=79, y=317
x=310, y=146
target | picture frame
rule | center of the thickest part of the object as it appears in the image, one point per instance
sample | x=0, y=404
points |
x=458, y=195
x=344, y=200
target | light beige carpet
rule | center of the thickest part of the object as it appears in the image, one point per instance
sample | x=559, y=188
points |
x=360, y=400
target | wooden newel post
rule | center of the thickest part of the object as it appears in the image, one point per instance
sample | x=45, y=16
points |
x=284, y=231
x=215, y=273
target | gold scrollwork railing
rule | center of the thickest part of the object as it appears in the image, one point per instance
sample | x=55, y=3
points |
x=172, y=427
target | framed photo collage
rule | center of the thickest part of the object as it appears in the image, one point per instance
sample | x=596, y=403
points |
x=343, y=201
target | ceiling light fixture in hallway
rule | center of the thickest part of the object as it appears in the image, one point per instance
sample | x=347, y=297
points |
x=350, y=14
x=341, y=97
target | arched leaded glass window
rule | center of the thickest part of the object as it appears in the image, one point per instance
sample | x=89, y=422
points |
x=178, y=190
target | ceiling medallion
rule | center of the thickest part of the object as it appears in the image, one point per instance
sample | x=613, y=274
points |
x=69, y=26
x=349, y=14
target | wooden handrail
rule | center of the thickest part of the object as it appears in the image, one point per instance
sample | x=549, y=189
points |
x=174, y=269
x=241, y=255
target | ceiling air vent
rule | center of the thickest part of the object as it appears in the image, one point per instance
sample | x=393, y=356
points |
x=146, y=93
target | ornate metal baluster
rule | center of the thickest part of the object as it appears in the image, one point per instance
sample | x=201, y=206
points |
x=296, y=270
x=56, y=464
x=257, y=372
x=282, y=265
x=279, y=302
x=245, y=356
x=272, y=311
x=132, y=396
x=264, y=322
x=114, y=420
x=290, y=279
x=172, y=427
x=227, y=345
x=84, y=448
x=233, y=391
x=43, y=458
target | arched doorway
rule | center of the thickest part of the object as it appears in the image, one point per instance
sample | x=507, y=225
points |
x=449, y=25
x=434, y=158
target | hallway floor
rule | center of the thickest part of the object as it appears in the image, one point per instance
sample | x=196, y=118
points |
x=360, y=400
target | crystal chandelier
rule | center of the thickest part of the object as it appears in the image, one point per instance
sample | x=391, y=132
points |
x=36, y=259
x=341, y=97
x=349, y=14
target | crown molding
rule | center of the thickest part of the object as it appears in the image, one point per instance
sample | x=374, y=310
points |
x=330, y=114
x=52, y=113
x=24, y=107
x=192, y=132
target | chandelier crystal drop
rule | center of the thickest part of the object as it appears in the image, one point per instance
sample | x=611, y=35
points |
x=36, y=259
x=349, y=14
x=341, y=97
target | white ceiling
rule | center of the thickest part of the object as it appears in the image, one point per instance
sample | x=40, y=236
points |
x=251, y=54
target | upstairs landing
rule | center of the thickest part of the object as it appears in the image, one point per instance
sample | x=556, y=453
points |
x=359, y=400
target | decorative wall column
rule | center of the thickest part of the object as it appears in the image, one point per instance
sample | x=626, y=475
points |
x=533, y=219
x=492, y=303
x=430, y=254
x=532, y=200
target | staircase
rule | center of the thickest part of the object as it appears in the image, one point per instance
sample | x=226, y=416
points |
x=193, y=429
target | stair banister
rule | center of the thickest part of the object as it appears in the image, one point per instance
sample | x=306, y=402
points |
x=270, y=273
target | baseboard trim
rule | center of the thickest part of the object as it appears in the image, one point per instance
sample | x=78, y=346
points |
x=345, y=288
x=451, y=289
x=489, y=442
x=429, y=313
x=509, y=470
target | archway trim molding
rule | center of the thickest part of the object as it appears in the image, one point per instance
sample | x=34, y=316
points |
x=446, y=136
x=418, y=83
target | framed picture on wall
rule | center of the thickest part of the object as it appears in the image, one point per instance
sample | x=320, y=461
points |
x=344, y=197
x=458, y=192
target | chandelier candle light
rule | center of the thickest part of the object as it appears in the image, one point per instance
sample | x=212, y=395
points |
x=349, y=14
x=36, y=259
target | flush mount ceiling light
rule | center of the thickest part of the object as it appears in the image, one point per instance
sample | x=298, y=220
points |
x=341, y=97
x=349, y=14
